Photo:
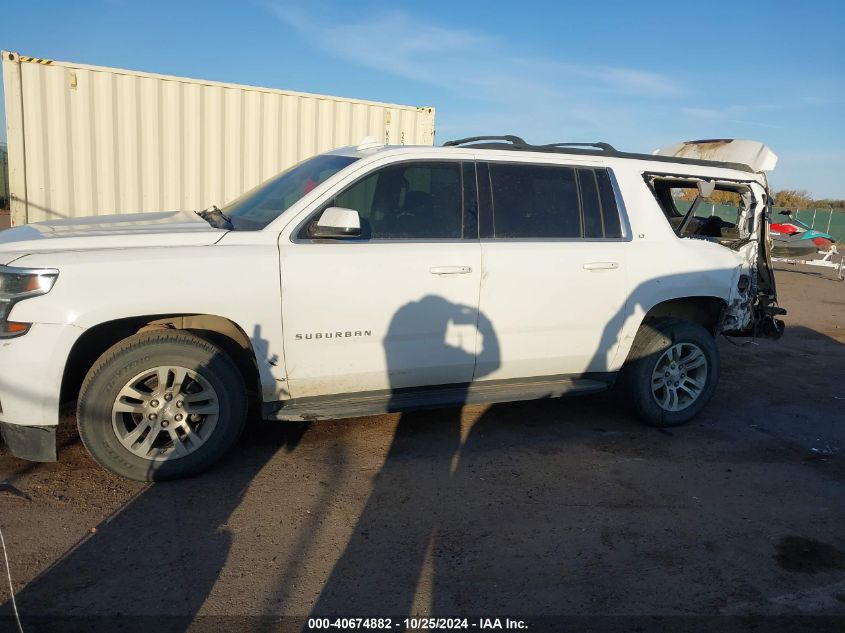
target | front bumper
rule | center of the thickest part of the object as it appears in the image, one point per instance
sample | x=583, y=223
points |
x=31, y=371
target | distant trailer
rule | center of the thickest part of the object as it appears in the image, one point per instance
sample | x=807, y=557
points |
x=826, y=261
x=89, y=140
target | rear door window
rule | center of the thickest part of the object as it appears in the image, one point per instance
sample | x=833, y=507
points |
x=552, y=201
x=534, y=201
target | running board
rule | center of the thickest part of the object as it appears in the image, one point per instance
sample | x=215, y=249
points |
x=374, y=403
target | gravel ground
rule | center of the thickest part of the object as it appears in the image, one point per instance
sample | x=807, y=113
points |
x=545, y=508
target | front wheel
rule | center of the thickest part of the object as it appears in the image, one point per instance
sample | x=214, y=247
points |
x=161, y=405
x=672, y=371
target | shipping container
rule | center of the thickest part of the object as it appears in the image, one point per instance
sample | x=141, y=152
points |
x=4, y=178
x=91, y=140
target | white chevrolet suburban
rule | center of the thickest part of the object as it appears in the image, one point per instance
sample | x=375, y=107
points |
x=377, y=278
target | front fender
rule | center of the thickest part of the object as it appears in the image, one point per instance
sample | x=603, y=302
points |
x=236, y=282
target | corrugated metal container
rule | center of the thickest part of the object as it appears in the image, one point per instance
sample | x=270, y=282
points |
x=89, y=140
x=4, y=177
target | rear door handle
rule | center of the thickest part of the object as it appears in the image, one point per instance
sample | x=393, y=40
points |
x=601, y=266
x=450, y=270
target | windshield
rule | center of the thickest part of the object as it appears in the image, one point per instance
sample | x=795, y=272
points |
x=261, y=205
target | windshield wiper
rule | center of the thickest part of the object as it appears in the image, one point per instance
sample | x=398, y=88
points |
x=216, y=218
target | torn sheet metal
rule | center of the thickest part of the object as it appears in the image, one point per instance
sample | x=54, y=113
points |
x=758, y=156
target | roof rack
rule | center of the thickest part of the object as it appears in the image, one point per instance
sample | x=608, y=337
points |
x=516, y=143
x=607, y=147
x=515, y=140
x=519, y=143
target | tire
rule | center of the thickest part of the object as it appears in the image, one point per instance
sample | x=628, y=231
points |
x=669, y=343
x=189, y=422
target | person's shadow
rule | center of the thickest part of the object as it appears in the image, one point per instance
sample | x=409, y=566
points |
x=393, y=548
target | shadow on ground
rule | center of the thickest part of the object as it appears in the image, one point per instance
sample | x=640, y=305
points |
x=537, y=508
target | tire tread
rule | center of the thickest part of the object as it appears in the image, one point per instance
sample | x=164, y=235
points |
x=109, y=361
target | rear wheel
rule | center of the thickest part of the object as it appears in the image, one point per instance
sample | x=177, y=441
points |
x=161, y=405
x=672, y=371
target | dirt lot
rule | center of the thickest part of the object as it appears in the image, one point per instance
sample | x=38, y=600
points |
x=559, y=507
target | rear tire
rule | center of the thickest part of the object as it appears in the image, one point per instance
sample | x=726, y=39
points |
x=161, y=405
x=671, y=372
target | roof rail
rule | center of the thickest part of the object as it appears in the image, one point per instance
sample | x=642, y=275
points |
x=515, y=140
x=515, y=143
x=518, y=141
x=607, y=147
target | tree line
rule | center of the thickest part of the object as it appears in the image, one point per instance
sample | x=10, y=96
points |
x=790, y=198
x=802, y=199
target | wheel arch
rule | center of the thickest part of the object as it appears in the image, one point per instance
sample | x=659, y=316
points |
x=707, y=311
x=221, y=331
x=642, y=376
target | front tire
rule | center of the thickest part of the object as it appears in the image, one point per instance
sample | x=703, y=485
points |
x=161, y=405
x=671, y=372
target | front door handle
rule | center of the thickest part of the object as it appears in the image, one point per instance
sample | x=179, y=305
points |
x=450, y=270
x=601, y=266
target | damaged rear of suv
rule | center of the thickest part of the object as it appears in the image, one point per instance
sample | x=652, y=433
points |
x=742, y=226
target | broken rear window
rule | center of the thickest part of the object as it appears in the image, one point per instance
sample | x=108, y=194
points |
x=718, y=217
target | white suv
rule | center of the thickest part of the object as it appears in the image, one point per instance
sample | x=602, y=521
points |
x=375, y=278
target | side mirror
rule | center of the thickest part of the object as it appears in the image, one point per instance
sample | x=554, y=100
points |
x=337, y=222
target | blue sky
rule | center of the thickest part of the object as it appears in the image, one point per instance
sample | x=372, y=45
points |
x=636, y=74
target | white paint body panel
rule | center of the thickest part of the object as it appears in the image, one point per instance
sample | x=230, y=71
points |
x=755, y=154
x=31, y=369
x=236, y=282
x=183, y=228
x=90, y=140
x=498, y=319
x=534, y=294
x=418, y=328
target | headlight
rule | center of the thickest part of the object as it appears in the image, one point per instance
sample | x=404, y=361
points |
x=17, y=284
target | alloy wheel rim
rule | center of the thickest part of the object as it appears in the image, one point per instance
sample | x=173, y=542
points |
x=165, y=413
x=679, y=377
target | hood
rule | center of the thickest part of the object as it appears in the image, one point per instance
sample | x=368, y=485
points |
x=171, y=228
